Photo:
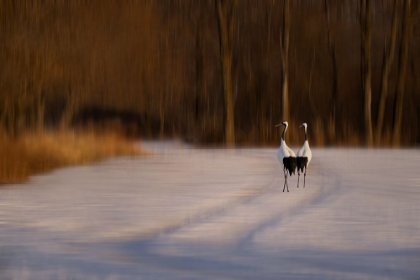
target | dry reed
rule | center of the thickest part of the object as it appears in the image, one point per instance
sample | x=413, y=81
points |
x=35, y=153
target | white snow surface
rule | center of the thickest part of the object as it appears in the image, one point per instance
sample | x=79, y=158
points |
x=188, y=213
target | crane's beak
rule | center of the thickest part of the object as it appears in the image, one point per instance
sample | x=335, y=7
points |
x=301, y=125
x=278, y=125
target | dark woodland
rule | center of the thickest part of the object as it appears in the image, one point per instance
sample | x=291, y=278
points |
x=214, y=71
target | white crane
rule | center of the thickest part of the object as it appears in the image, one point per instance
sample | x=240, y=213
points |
x=304, y=156
x=286, y=156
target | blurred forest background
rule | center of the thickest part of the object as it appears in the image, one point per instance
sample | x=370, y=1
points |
x=214, y=71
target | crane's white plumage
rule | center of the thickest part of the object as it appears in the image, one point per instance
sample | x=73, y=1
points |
x=284, y=151
x=305, y=151
x=304, y=155
x=286, y=156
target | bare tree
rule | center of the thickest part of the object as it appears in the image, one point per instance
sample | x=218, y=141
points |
x=386, y=69
x=284, y=50
x=71, y=107
x=63, y=60
x=366, y=38
x=226, y=15
x=402, y=69
x=333, y=54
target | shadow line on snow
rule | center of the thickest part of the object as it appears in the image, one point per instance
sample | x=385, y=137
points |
x=323, y=194
x=213, y=212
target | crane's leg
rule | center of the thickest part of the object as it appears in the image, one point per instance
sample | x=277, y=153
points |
x=304, y=178
x=285, y=180
x=298, y=178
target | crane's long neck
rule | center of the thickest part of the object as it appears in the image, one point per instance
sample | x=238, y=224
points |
x=306, y=135
x=284, y=133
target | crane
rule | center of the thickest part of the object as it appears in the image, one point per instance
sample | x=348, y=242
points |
x=304, y=156
x=286, y=156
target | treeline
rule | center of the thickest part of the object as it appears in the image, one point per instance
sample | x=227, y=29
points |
x=164, y=68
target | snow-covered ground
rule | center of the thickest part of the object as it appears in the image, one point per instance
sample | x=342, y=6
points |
x=187, y=213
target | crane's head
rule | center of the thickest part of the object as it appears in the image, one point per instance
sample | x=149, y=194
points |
x=283, y=123
x=304, y=125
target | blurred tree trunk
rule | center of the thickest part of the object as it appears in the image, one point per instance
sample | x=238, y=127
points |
x=402, y=70
x=162, y=115
x=5, y=116
x=17, y=117
x=386, y=69
x=226, y=13
x=366, y=38
x=200, y=86
x=40, y=109
x=72, y=104
x=333, y=54
x=284, y=50
x=313, y=107
x=3, y=108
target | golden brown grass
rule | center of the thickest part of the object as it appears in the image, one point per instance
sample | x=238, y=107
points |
x=35, y=153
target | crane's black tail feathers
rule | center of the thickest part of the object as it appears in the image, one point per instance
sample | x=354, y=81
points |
x=289, y=164
x=301, y=163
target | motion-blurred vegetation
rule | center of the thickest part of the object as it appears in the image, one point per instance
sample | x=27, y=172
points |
x=155, y=68
x=33, y=153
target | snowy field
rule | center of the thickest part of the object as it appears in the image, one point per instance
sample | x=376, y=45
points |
x=187, y=213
